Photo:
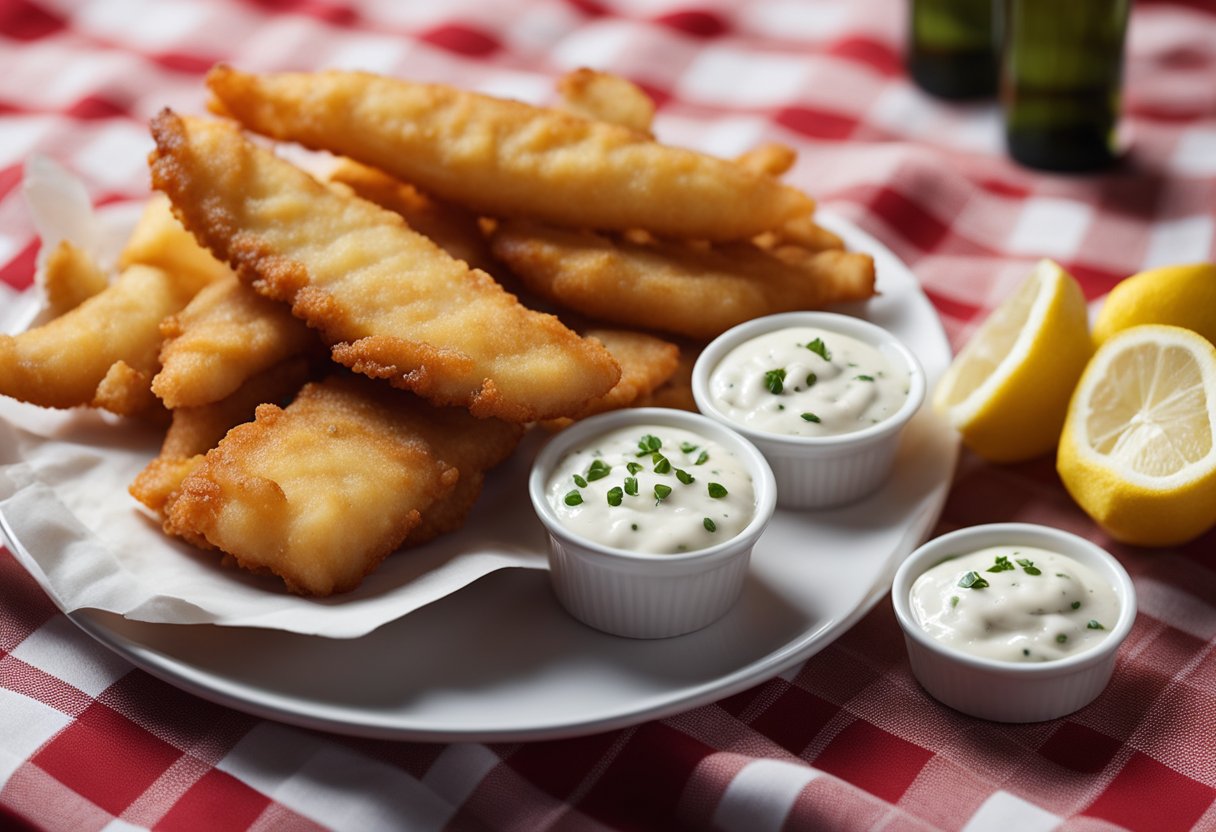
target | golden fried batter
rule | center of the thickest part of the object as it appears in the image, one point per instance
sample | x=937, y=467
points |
x=390, y=302
x=696, y=291
x=159, y=240
x=602, y=96
x=70, y=277
x=63, y=362
x=320, y=492
x=226, y=334
x=505, y=158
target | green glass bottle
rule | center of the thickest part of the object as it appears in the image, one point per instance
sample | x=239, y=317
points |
x=1061, y=81
x=951, y=49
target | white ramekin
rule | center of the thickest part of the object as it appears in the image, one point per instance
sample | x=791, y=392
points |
x=645, y=595
x=1008, y=691
x=820, y=471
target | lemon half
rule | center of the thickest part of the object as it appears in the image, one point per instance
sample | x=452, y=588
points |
x=1183, y=295
x=1138, y=450
x=1007, y=390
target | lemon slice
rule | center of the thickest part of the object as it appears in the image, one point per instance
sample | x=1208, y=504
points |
x=1182, y=296
x=1007, y=390
x=1138, y=451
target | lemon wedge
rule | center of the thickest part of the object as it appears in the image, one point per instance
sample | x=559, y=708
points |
x=1138, y=450
x=1183, y=295
x=1007, y=390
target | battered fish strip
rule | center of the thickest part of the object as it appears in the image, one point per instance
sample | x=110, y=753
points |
x=695, y=291
x=602, y=96
x=100, y=352
x=505, y=158
x=320, y=492
x=389, y=302
x=226, y=334
x=70, y=277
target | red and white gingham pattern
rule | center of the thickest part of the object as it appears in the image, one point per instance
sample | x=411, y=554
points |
x=847, y=740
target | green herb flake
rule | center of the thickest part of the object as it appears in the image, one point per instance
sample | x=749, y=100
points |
x=649, y=444
x=820, y=349
x=811, y=417
x=972, y=580
x=717, y=490
x=710, y=525
x=1061, y=638
x=1094, y=625
x=633, y=467
x=1028, y=567
x=662, y=492
x=953, y=601
x=615, y=495
x=579, y=481
x=703, y=458
x=662, y=465
x=774, y=381
x=1002, y=565
x=687, y=447
x=864, y=378
x=598, y=470
x=811, y=378
x=631, y=486
x=1076, y=605
x=573, y=498
x=684, y=477
x=633, y=526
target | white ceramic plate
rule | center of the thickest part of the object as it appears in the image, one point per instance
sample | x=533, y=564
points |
x=500, y=660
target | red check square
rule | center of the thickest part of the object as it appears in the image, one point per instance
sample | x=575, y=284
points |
x=873, y=759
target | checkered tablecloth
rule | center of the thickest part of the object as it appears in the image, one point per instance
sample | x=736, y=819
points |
x=846, y=741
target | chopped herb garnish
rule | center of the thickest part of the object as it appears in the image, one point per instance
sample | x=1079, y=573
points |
x=1094, y=625
x=820, y=349
x=634, y=467
x=579, y=481
x=661, y=464
x=1002, y=565
x=703, y=458
x=1025, y=651
x=598, y=470
x=687, y=447
x=717, y=490
x=810, y=417
x=684, y=477
x=710, y=525
x=1076, y=605
x=811, y=378
x=953, y=600
x=864, y=378
x=661, y=492
x=573, y=498
x=774, y=381
x=1028, y=567
x=631, y=486
x=633, y=526
x=972, y=580
x=615, y=495
x=1061, y=638
x=648, y=444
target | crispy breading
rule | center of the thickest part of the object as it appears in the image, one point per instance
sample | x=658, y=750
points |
x=390, y=303
x=772, y=158
x=453, y=229
x=159, y=240
x=63, y=362
x=676, y=392
x=695, y=291
x=195, y=430
x=70, y=277
x=321, y=491
x=646, y=363
x=602, y=96
x=226, y=334
x=505, y=158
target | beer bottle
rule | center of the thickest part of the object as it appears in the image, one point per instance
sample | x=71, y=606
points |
x=951, y=50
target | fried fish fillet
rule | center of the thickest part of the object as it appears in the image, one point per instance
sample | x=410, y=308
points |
x=225, y=335
x=389, y=302
x=602, y=96
x=321, y=491
x=65, y=362
x=195, y=430
x=159, y=240
x=70, y=277
x=695, y=291
x=453, y=229
x=505, y=158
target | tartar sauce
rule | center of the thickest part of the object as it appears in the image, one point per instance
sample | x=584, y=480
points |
x=806, y=381
x=653, y=489
x=1015, y=603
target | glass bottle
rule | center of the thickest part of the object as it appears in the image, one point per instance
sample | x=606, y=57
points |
x=1061, y=81
x=951, y=50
